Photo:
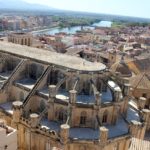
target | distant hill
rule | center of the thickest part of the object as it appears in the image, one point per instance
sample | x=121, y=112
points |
x=21, y=5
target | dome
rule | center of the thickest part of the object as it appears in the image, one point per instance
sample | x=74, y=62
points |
x=122, y=68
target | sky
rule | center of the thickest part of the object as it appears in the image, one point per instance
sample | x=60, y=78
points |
x=138, y=8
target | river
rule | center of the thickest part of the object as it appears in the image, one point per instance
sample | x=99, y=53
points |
x=72, y=30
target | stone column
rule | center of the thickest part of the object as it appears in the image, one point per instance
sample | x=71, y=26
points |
x=117, y=95
x=115, y=114
x=126, y=89
x=103, y=135
x=125, y=108
x=97, y=98
x=73, y=96
x=52, y=95
x=51, y=115
x=146, y=117
x=136, y=129
x=64, y=133
x=34, y=120
x=17, y=111
x=142, y=102
x=52, y=91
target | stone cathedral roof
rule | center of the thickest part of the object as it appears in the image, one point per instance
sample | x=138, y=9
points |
x=47, y=57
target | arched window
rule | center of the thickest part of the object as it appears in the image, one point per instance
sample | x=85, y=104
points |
x=83, y=118
x=26, y=42
x=21, y=41
x=29, y=42
x=21, y=96
x=62, y=115
x=105, y=116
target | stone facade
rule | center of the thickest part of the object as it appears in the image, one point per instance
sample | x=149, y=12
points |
x=64, y=104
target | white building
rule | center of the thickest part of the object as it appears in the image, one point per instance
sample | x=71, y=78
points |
x=8, y=137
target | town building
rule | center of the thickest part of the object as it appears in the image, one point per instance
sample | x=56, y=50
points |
x=8, y=137
x=24, y=39
x=134, y=72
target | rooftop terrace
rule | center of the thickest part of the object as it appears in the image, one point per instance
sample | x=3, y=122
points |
x=48, y=57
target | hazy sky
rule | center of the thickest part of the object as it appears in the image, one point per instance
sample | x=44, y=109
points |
x=139, y=8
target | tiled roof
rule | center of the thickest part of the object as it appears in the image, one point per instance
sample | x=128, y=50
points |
x=122, y=68
x=140, y=65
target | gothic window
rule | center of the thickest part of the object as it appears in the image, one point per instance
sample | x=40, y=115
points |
x=26, y=42
x=105, y=116
x=60, y=117
x=83, y=118
x=21, y=96
x=21, y=41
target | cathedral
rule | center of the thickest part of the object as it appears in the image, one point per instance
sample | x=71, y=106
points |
x=57, y=101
